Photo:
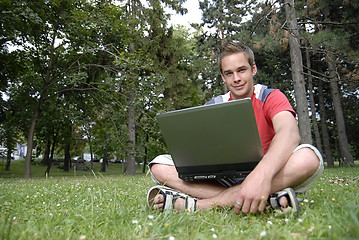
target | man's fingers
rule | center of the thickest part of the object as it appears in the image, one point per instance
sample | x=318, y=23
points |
x=262, y=204
x=250, y=206
x=246, y=207
x=237, y=207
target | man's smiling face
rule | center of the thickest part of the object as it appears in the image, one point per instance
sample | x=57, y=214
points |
x=238, y=74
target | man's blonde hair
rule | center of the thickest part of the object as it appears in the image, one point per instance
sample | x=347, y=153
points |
x=229, y=48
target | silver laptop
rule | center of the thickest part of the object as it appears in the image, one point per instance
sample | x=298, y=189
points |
x=214, y=141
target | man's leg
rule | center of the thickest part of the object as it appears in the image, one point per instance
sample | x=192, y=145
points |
x=302, y=164
x=167, y=174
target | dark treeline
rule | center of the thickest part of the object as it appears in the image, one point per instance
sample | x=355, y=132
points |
x=89, y=76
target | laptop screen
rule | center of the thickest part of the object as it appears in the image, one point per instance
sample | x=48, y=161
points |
x=215, y=140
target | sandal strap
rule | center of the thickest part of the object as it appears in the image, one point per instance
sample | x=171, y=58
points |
x=291, y=198
x=190, y=204
x=170, y=196
x=168, y=201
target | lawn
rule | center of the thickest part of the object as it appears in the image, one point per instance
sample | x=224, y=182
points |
x=86, y=205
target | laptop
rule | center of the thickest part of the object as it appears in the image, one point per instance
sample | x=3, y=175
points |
x=213, y=141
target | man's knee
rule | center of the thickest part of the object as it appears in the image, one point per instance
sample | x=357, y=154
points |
x=156, y=169
x=162, y=172
x=309, y=161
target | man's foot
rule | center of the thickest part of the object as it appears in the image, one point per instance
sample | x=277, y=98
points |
x=283, y=202
x=284, y=199
x=159, y=201
x=167, y=199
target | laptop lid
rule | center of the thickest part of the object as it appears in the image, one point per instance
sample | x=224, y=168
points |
x=214, y=141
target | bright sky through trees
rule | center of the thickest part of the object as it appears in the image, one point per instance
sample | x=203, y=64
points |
x=194, y=14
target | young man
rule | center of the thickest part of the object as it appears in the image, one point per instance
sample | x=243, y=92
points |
x=284, y=166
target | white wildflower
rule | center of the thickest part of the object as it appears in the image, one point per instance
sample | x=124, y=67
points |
x=263, y=234
x=134, y=222
x=214, y=236
x=150, y=217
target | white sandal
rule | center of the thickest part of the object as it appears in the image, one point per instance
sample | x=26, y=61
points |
x=170, y=195
x=291, y=198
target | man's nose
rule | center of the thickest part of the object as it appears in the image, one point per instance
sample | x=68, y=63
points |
x=236, y=77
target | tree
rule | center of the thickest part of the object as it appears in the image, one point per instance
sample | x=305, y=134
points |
x=318, y=141
x=142, y=59
x=69, y=70
x=297, y=73
x=332, y=21
x=343, y=141
x=56, y=40
x=225, y=19
x=324, y=126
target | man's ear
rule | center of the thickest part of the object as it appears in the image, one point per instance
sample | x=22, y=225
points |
x=254, y=69
x=223, y=79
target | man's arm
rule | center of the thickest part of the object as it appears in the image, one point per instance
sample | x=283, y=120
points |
x=256, y=188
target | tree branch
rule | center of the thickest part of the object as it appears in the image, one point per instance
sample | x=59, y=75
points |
x=310, y=21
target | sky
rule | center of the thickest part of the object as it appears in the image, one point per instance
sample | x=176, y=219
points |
x=194, y=14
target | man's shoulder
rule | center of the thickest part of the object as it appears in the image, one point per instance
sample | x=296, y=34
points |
x=262, y=92
x=219, y=99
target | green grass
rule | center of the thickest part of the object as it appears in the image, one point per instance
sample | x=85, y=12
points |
x=97, y=206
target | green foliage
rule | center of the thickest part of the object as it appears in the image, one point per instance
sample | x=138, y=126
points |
x=88, y=62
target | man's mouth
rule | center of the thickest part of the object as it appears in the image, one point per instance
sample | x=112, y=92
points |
x=238, y=87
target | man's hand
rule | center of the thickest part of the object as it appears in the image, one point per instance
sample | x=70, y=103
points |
x=253, y=193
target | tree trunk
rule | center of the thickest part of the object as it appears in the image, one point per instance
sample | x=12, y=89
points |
x=51, y=159
x=67, y=160
x=131, y=168
x=104, y=159
x=9, y=143
x=318, y=141
x=337, y=150
x=342, y=135
x=91, y=162
x=30, y=139
x=8, y=159
x=297, y=73
x=45, y=159
x=30, y=136
x=324, y=126
x=146, y=152
x=223, y=40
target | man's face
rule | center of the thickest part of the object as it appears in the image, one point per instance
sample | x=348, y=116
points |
x=238, y=75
